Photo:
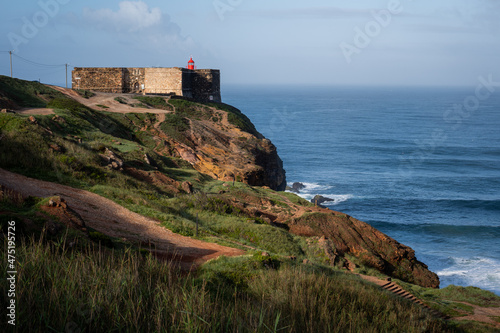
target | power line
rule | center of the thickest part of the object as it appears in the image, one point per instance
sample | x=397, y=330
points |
x=37, y=63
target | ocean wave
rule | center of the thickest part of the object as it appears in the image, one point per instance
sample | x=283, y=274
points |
x=337, y=198
x=437, y=203
x=312, y=187
x=476, y=271
x=442, y=229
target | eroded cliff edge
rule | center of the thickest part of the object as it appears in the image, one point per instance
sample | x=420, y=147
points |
x=155, y=155
x=220, y=141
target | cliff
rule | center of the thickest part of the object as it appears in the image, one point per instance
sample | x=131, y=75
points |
x=194, y=167
x=219, y=141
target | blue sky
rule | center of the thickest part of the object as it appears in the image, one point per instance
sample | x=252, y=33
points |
x=318, y=42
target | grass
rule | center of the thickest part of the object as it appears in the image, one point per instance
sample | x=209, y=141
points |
x=94, y=290
x=191, y=109
x=155, y=102
x=236, y=117
x=90, y=289
x=120, y=100
x=176, y=126
x=85, y=93
x=26, y=93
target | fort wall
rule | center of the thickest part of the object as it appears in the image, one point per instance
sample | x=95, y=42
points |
x=164, y=81
x=200, y=84
x=98, y=79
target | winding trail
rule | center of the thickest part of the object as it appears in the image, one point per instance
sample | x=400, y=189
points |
x=114, y=220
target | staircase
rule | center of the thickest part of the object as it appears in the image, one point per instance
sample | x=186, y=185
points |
x=397, y=290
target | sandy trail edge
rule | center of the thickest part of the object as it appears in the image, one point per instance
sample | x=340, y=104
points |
x=114, y=220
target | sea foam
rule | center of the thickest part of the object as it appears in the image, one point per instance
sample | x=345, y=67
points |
x=476, y=271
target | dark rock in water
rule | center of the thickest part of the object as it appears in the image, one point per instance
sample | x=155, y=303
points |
x=319, y=199
x=296, y=187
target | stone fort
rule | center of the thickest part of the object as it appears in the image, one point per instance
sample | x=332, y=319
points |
x=198, y=84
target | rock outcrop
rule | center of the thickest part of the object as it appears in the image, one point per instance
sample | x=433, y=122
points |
x=350, y=236
x=345, y=241
x=319, y=199
x=213, y=145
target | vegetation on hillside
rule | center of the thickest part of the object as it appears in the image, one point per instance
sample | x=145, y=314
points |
x=87, y=287
x=71, y=280
x=22, y=93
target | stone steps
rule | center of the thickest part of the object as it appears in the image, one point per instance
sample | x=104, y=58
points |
x=397, y=290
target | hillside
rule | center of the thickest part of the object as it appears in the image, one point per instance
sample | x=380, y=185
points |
x=185, y=181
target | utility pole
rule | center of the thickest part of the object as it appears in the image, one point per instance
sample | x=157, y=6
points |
x=10, y=52
x=66, y=75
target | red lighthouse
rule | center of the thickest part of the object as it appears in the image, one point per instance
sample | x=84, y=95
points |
x=191, y=63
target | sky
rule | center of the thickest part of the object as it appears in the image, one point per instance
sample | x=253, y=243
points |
x=315, y=42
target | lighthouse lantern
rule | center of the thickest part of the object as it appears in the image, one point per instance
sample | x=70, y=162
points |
x=191, y=63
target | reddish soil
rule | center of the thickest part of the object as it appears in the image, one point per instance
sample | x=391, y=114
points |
x=116, y=221
x=485, y=315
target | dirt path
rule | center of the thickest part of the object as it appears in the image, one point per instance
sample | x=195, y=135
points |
x=108, y=99
x=114, y=220
x=481, y=314
x=31, y=111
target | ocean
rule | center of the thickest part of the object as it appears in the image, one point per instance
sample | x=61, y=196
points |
x=421, y=165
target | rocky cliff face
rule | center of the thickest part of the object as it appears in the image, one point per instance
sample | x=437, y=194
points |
x=348, y=236
x=344, y=241
x=214, y=145
x=218, y=141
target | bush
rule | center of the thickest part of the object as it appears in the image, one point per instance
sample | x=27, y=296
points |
x=26, y=93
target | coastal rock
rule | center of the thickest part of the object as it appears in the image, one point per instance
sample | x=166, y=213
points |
x=350, y=236
x=297, y=187
x=319, y=199
x=344, y=241
x=225, y=152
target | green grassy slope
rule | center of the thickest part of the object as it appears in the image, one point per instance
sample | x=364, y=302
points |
x=70, y=280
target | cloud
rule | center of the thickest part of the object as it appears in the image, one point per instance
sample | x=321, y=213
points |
x=137, y=34
x=132, y=16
